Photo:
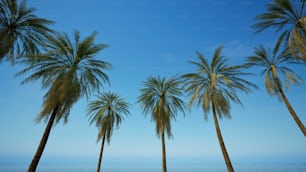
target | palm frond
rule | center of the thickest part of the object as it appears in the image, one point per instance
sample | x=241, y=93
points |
x=216, y=83
x=107, y=112
x=160, y=97
x=274, y=65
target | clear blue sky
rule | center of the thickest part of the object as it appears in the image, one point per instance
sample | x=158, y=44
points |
x=146, y=38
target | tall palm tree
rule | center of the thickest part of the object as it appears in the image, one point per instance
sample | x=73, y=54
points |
x=213, y=86
x=275, y=64
x=289, y=17
x=161, y=98
x=68, y=70
x=107, y=112
x=21, y=31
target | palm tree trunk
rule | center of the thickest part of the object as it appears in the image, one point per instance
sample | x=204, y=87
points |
x=164, y=164
x=101, y=153
x=292, y=112
x=43, y=142
x=221, y=142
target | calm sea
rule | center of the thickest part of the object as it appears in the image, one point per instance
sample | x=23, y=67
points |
x=213, y=167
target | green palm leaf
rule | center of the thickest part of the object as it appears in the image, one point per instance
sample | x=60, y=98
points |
x=215, y=82
x=160, y=97
x=107, y=112
x=274, y=65
x=21, y=32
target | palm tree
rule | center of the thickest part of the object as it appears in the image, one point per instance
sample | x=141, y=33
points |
x=21, y=32
x=213, y=86
x=160, y=98
x=69, y=71
x=274, y=64
x=107, y=111
x=287, y=16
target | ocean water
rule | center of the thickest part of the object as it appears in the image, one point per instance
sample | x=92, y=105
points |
x=213, y=167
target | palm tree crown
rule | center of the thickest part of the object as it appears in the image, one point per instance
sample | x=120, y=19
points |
x=274, y=66
x=161, y=98
x=21, y=32
x=289, y=17
x=69, y=70
x=106, y=112
x=215, y=83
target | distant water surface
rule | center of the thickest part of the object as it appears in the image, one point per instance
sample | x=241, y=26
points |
x=213, y=167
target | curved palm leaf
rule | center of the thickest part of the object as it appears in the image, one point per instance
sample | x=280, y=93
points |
x=275, y=64
x=215, y=82
x=21, y=32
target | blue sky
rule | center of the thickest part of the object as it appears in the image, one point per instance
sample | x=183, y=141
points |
x=156, y=38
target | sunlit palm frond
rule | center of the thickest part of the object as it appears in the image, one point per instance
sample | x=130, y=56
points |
x=297, y=43
x=107, y=112
x=215, y=82
x=67, y=72
x=275, y=65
